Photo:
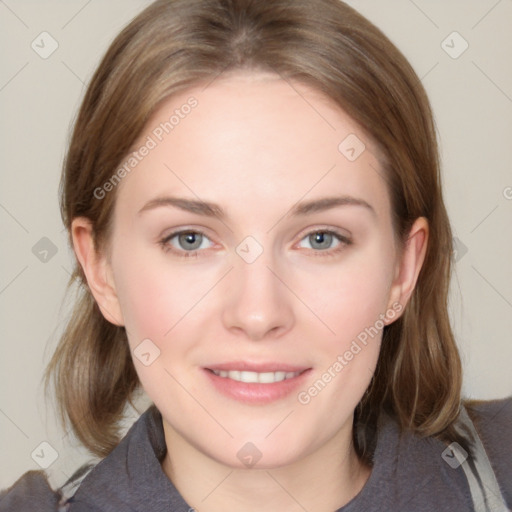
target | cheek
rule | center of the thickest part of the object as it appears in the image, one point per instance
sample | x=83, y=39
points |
x=352, y=302
x=157, y=296
x=144, y=293
x=352, y=296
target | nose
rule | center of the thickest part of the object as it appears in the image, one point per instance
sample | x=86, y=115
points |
x=258, y=304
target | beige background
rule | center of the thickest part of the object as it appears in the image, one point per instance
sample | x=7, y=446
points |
x=472, y=100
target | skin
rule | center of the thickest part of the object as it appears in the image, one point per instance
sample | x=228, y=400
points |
x=255, y=146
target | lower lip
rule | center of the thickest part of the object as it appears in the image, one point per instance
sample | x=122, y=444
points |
x=253, y=392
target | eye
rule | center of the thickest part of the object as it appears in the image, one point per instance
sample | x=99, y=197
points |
x=185, y=243
x=188, y=243
x=322, y=241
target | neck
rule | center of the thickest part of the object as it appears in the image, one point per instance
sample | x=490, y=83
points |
x=322, y=481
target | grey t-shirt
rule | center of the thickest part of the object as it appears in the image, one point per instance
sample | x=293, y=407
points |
x=409, y=473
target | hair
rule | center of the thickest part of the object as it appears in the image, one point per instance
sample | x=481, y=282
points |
x=176, y=44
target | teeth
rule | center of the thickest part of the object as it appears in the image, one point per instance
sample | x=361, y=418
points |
x=255, y=377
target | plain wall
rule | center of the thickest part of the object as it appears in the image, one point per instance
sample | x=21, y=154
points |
x=472, y=100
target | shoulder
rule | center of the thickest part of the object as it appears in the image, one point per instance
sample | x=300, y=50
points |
x=493, y=422
x=414, y=472
x=30, y=492
x=97, y=485
x=491, y=415
x=34, y=488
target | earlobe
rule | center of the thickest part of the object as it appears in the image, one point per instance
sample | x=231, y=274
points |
x=96, y=269
x=409, y=266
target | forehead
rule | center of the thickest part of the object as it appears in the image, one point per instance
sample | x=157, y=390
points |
x=253, y=140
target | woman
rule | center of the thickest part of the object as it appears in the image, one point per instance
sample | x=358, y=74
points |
x=252, y=193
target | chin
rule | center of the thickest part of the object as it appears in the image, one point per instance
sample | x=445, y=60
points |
x=262, y=453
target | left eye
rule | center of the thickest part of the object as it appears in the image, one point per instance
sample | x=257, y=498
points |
x=323, y=239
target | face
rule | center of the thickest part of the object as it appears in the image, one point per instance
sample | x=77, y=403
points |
x=288, y=272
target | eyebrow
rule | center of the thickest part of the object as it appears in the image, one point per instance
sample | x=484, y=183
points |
x=210, y=209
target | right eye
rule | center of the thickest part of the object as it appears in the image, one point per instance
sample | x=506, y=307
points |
x=184, y=243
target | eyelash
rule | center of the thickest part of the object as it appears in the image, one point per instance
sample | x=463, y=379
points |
x=167, y=248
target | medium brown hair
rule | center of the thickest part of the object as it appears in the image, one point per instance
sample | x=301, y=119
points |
x=175, y=44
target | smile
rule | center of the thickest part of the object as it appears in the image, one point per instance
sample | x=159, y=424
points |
x=252, y=383
x=256, y=377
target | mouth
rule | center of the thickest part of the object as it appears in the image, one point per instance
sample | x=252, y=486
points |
x=256, y=383
x=256, y=377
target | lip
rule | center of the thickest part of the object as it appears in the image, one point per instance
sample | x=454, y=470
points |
x=255, y=392
x=259, y=367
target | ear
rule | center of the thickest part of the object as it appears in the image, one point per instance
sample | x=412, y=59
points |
x=97, y=270
x=409, y=265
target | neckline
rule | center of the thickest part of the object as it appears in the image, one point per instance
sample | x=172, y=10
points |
x=387, y=435
x=385, y=448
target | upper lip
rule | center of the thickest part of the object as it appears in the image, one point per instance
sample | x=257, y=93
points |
x=260, y=367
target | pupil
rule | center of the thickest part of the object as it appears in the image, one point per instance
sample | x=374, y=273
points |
x=191, y=239
x=323, y=239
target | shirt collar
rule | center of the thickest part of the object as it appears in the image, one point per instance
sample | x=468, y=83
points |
x=131, y=478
